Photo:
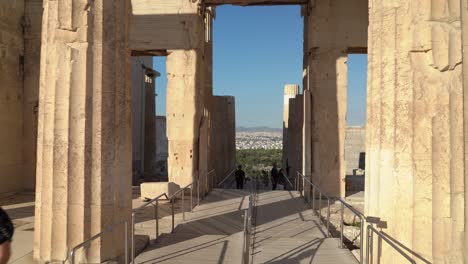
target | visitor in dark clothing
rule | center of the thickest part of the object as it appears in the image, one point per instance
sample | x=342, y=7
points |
x=274, y=176
x=240, y=177
x=6, y=234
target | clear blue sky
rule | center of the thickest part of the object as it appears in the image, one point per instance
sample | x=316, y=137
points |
x=257, y=50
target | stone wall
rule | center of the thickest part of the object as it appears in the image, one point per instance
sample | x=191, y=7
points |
x=161, y=139
x=223, y=136
x=20, y=45
x=415, y=138
x=355, y=148
x=333, y=28
x=32, y=51
x=11, y=96
x=161, y=148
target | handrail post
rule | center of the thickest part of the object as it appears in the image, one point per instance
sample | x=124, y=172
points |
x=198, y=192
x=191, y=198
x=172, y=209
x=313, y=200
x=328, y=219
x=157, y=219
x=361, y=259
x=72, y=256
x=320, y=205
x=126, y=242
x=342, y=224
x=183, y=205
x=133, y=237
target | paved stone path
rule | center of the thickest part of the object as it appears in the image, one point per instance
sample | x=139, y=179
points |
x=287, y=232
x=211, y=234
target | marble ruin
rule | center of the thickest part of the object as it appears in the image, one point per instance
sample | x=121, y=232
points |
x=67, y=103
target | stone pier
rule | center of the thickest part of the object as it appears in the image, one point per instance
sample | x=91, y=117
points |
x=223, y=135
x=415, y=137
x=206, y=164
x=294, y=135
x=184, y=114
x=334, y=29
x=290, y=92
x=84, y=131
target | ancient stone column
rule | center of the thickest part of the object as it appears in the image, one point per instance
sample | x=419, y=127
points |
x=223, y=132
x=294, y=134
x=333, y=28
x=150, y=122
x=184, y=114
x=290, y=92
x=84, y=144
x=206, y=164
x=414, y=146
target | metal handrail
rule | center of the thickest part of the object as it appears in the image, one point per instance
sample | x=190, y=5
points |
x=314, y=187
x=156, y=209
x=362, y=217
x=225, y=178
x=361, y=226
x=370, y=232
x=106, y=230
x=287, y=179
x=212, y=178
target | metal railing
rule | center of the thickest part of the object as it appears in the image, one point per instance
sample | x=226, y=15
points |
x=361, y=226
x=155, y=203
x=211, y=172
x=220, y=184
x=288, y=181
x=247, y=231
x=106, y=230
x=369, y=247
x=311, y=202
x=370, y=229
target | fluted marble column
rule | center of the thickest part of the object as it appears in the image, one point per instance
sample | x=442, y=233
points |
x=414, y=145
x=84, y=144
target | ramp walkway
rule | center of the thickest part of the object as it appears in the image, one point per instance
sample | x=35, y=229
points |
x=285, y=231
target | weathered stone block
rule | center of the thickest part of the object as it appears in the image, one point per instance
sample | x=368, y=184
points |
x=149, y=190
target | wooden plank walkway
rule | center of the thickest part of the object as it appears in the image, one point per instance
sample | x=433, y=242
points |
x=288, y=232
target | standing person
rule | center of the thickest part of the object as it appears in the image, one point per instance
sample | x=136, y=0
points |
x=274, y=175
x=6, y=234
x=240, y=177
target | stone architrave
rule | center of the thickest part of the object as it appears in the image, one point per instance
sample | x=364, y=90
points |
x=84, y=144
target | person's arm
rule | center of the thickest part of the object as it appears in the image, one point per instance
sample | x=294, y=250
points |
x=5, y=251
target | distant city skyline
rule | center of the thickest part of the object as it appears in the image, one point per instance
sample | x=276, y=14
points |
x=256, y=51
